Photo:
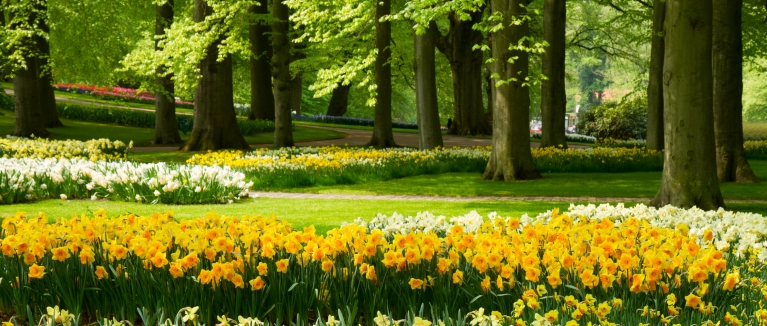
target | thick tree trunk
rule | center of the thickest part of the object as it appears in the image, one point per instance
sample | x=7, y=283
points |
x=466, y=67
x=511, y=158
x=296, y=93
x=283, y=132
x=655, y=86
x=47, y=96
x=26, y=88
x=382, y=126
x=553, y=96
x=339, y=101
x=490, y=91
x=261, y=96
x=215, y=122
x=689, y=170
x=429, y=132
x=165, y=125
x=728, y=92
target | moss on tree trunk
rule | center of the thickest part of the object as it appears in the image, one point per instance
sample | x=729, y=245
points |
x=689, y=169
x=511, y=158
x=382, y=125
x=283, y=132
x=429, y=132
x=655, y=85
x=166, y=125
x=553, y=96
x=732, y=165
x=261, y=96
x=215, y=123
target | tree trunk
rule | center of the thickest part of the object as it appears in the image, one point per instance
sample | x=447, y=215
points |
x=382, y=125
x=296, y=93
x=48, y=109
x=689, y=169
x=215, y=122
x=283, y=132
x=165, y=125
x=655, y=86
x=429, y=132
x=490, y=91
x=339, y=101
x=511, y=158
x=261, y=96
x=466, y=67
x=26, y=88
x=553, y=96
x=727, y=45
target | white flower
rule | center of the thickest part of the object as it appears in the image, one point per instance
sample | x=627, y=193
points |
x=157, y=193
x=138, y=197
x=63, y=196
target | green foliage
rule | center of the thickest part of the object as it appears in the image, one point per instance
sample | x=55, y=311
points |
x=6, y=102
x=626, y=120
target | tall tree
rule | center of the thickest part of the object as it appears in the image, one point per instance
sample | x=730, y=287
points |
x=728, y=92
x=21, y=38
x=553, y=96
x=165, y=125
x=689, y=169
x=429, y=129
x=466, y=67
x=655, y=86
x=215, y=122
x=339, y=101
x=283, y=132
x=261, y=96
x=382, y=126
x=47, y=96
x=511, y=158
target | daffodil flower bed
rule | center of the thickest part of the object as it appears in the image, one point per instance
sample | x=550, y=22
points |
x=755, y=147
x=93, y=150
x=296, y=167
x=560, y=269
x=27, y=179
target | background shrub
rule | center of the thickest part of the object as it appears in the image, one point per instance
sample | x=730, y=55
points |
x=623, y=121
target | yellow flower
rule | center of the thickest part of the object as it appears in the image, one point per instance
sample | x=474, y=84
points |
x=282, y=265
x=257, y=284
x=327, y=266
x=416, y=284
x=101, y=272
x=263, y=270
x=60, y=254
x=458, y=277
x=36, y=271
x=692, y=300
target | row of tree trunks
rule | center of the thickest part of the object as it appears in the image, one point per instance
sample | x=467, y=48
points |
x=466, y=66
x=283, y=133
x=689, y=170
x=261, y=96
x=215, y=125
x=429, y=129
x=655, y=85
x=166, y=125
x=511, y=158
x=727, y=45
x=553, y=96
x=382, y=125
x=339, y=101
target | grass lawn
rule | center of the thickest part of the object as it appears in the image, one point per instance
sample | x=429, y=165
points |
x=80, y=130
x=636, y=185
x=323, y=214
